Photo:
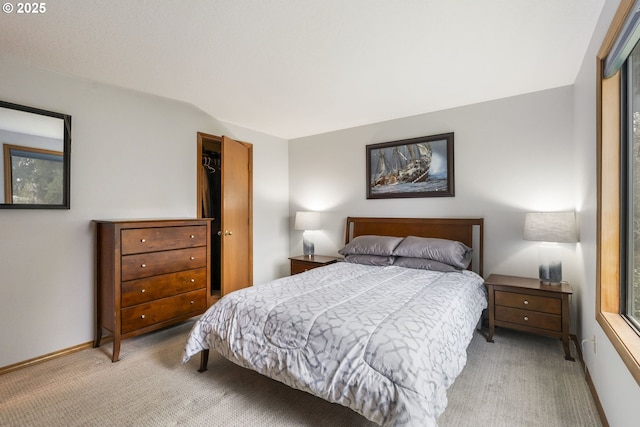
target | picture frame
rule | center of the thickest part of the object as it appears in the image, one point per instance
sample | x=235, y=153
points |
x=416, y=167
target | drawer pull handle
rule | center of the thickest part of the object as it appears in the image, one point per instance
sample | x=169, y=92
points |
x=192, y=236
x=191, y=302
x=193, y=280
x=143, y=291
x=142, y=317
x=143, y=265
x=526, y=302
x=192, y=258
x=143, y=240
x=526, y=318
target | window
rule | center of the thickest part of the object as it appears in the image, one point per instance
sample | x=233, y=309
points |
x=630, y=180
x=618, y=262
x=32, y=175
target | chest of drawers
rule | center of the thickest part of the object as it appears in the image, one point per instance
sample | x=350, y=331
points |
x=528, y=305
x=150, y=274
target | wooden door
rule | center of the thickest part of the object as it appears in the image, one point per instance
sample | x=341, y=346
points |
x=237, y=215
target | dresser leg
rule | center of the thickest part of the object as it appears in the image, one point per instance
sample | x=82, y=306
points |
x=567, y=350
x=491, y=329
x=98, y=338
x=491, y=310
x=116, y=349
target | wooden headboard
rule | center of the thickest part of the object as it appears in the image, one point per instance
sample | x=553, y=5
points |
x=466, y=230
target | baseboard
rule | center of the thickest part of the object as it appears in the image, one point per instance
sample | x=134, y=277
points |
x=592, y=389
x=44, y=358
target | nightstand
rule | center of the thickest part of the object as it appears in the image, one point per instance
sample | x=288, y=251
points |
x=529, y=305
x=302, y=263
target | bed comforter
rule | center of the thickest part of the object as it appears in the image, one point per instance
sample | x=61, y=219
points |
x=386, y=342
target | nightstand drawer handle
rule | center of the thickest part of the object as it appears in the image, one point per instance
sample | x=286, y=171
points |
x=192, y=236
x=143, y=240
x=526, y=318
x=143, y=265
x=142, y=317
x=192, y=258
x=191, y=302
x=193, y=280
x=143, y=291
x=526, y=302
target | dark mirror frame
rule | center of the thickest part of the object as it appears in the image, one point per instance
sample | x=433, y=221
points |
x=66, y=160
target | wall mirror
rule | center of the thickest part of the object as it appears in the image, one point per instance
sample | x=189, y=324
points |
x=35, y=154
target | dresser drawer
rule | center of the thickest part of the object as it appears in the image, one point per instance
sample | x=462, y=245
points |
x=147, y=314
x=154, y=263
x=529, y=302
x=533, y=319
x=139, y=240
x=156, y=287
x=302, y=266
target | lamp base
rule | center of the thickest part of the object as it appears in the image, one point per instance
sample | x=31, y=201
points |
x=550, y=264
x=550, y=273
x=307, y=248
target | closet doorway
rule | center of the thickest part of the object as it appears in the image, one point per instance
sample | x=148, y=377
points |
x=225, y=194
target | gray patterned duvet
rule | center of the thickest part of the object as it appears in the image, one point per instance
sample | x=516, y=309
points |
x=386, y=342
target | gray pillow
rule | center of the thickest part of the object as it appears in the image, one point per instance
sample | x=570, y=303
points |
x=449, y=252
x=424, y=264
x=370, y=259
x=371, y=245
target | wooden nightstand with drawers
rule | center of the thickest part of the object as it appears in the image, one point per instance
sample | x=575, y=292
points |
x=529, y=305
x=302, y=263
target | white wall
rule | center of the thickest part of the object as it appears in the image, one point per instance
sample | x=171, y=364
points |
x=511, y=156
x=133, y=156
x=619, y=393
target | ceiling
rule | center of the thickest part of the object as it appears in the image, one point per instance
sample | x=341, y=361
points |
x=293, y=68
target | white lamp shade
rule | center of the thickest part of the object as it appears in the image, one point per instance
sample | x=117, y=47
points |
x=551, y=227
x=307, y=221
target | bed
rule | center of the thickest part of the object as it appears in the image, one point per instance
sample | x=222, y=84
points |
x=382, y=337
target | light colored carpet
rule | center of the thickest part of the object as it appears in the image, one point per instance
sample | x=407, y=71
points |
x=521, y=380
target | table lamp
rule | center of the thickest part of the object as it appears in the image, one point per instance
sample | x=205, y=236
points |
x=307, y=221
x=550, y=228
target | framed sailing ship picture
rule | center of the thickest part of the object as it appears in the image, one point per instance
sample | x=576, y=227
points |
x=417, y=167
